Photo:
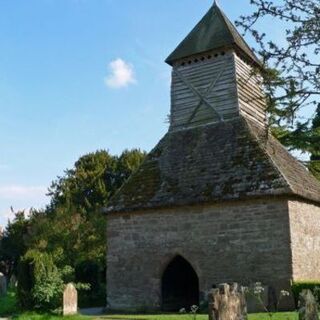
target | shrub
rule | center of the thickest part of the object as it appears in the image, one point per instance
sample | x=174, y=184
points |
x=25, y=284
x=298, y=286
x=40, y=282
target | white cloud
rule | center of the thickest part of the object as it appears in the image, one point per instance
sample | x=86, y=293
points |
x=16, y=192
x=121, y=74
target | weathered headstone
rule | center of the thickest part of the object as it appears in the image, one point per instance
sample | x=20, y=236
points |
x=227, y=303
x=3, y=284
x=308, y=307
x=70, y=300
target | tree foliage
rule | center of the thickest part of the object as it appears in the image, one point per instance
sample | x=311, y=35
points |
x=291, y=70
x=66, y=241
x=93, y=180
x=296, y=82
x=13, y=243
x=40, y=281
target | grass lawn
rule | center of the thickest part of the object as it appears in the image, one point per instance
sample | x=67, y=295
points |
x=257, y=316
x=35, y=316
x=260, y=316
x=8, y=307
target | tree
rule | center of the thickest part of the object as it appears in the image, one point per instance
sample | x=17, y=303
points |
x=314, y=164
x=71, y=230
x=14, y=242
x=73, y=222
x=93, y=180
x=296, y=82
x=290, y=70
x=87, y=186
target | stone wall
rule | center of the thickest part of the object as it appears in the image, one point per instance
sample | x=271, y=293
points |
x=305, y=239
x=232, y=242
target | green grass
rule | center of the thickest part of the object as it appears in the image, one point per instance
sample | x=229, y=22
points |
x=36, y=316
x=259, y=316
x=8, y=304
x=8, y=307
x=276, y=316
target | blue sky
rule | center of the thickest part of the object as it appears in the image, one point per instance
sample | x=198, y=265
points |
x=82, y=75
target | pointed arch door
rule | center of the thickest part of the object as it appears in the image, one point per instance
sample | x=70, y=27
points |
x=180, y=286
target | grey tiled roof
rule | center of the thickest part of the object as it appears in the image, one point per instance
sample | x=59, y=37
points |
x=214, y=31
x=219, y=162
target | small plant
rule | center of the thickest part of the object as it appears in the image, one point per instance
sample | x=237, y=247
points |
x=257, y=291
x=193, y=311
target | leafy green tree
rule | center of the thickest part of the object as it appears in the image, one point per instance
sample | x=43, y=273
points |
x=291, y=66
x=305, y=138
x=314, y=164
x=73, y=223
x=87, y=186
x=71, y=230
x=13, y=244
x=290, y=70
x=93, y=180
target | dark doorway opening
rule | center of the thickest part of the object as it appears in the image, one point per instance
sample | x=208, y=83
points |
x=180, y=286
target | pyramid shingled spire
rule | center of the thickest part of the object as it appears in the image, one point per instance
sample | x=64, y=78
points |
x=214, y=31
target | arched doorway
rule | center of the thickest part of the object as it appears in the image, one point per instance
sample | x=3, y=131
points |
x=180, y=286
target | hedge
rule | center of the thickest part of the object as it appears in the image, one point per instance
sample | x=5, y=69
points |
x=313, y=285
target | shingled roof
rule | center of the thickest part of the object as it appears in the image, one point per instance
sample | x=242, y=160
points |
x=223, y=161
x=214, y=31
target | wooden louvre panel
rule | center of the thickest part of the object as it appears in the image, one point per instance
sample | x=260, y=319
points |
x=214, y=81
x=252, y=101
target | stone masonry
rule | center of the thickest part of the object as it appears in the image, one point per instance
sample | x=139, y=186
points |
x=236, y=242
x=305, y=240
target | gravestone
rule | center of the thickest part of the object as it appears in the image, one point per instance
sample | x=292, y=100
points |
x=70, y=300
x=308, y=307
x=3, y=284
x=227, y=302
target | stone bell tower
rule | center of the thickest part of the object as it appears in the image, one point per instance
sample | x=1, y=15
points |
x=214, y=76
x=218, y=199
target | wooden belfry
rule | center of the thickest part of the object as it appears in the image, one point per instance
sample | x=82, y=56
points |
x=218, y=199
x=212, y=71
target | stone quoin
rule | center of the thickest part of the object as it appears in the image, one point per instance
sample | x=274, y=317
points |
x=218, y=200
